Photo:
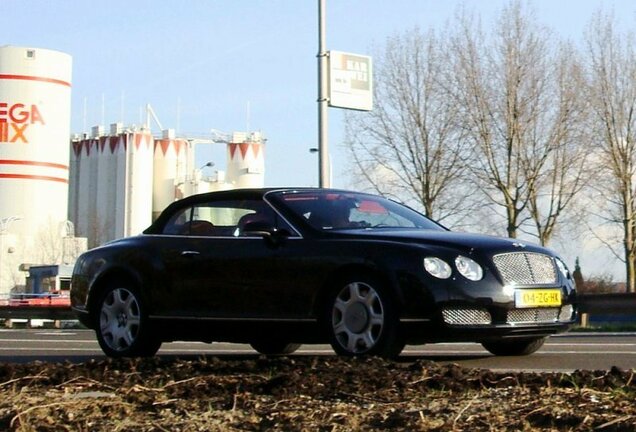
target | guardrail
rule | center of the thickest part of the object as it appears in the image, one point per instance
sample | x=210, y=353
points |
x=615, y=303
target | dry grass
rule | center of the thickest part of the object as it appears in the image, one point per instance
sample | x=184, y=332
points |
x=307, y=394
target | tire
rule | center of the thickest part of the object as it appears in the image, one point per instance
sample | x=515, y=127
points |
x=514, y=348
x=274, y=347
x=361, y=319
x=122, y=323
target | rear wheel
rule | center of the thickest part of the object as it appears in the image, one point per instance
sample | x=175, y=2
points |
x=274, y=347
x=515, y=347
x=362, y=319
x=122, y=324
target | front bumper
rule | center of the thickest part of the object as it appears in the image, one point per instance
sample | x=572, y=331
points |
x=476, y=324
x=83, y=317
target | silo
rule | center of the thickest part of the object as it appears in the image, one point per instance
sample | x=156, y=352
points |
x=170, y=160
x=139, y=183
x=246, y=160
x=35, y=107
x=80, y=214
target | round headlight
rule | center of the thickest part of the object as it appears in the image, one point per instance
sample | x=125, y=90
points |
x=437, y=267
x=468, y=268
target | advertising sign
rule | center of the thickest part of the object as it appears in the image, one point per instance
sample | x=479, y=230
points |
x=350, y=81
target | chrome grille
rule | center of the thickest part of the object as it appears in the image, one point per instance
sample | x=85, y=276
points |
x=544, y=315
x=461, y=316
x=523, y=268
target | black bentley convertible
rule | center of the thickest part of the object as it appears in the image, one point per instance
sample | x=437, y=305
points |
x=277, y=268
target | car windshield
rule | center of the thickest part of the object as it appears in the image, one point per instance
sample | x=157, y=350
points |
x=332, y=210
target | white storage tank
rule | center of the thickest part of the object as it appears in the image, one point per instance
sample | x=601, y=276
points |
x=35, y=109
x=170, y=169
x=139, y=182
x=246, y=160
x=112, y=184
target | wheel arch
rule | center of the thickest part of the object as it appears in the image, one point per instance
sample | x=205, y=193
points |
x=103, y=281
x=384, y=277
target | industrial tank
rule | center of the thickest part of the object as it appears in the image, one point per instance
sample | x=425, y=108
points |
x=112, y=184
x=35, y=109
x=246, y=160
x=170, y=170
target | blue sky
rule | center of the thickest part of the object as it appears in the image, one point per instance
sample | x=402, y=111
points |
x=233, y=64
x=215, y=58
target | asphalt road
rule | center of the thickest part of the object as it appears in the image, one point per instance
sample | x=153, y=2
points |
x=561, y=353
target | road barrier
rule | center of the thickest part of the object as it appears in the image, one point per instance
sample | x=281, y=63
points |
x=615, y=309
x=609, y=304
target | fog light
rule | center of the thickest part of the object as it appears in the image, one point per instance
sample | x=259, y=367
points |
x=566, y=313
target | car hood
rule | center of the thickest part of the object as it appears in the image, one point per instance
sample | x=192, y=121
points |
x=462, y=241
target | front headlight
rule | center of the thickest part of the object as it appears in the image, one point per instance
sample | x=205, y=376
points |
x=437, y=267
x=469, y=268
x=562, y=268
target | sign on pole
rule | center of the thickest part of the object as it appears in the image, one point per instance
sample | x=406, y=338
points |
x=350, y=81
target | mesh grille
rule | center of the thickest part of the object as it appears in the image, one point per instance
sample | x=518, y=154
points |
x=466, y=316
x=544, y=315
x=521, y=268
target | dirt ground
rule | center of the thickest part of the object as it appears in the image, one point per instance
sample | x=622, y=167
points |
x=307, y=394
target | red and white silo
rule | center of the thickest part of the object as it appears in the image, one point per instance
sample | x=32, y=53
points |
x=138, y=182
x=35, y=109
x=246, y=160
x=170, y=170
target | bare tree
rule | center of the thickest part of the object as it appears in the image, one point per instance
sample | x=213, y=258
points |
x=562, y=175
x=48, y=247
x=612, y=70
x=410, y=146
x=522, y=116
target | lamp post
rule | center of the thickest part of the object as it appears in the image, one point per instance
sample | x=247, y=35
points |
x=323, y=144
x=329, y=175
x=199, y=173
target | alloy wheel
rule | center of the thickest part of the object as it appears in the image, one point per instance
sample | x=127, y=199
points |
x=357, y=317
x=120, y=319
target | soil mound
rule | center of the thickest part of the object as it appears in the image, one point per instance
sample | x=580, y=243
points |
x=307, y=394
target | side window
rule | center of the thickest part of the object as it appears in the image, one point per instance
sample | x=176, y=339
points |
x=179, y=223
x=222, y=218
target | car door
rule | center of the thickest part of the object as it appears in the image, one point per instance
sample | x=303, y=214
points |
x=217, y=271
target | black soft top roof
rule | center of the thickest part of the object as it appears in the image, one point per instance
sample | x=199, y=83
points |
x=258, y=193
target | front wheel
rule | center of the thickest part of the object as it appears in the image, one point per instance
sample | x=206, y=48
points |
x=362, y=319
x=122, y=324
x=515, y=347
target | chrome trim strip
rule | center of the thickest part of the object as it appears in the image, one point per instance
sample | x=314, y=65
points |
x=195, y=318
x=214, y=237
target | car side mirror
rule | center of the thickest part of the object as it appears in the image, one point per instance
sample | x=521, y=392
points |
x=265, y=230
x=260, y=228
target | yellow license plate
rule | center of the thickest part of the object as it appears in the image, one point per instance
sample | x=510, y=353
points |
x=537, y=298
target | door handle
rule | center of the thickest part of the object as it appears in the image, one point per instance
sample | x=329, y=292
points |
x=188, y=253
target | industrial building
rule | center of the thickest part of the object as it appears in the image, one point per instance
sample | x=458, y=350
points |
x=58, y=199
x=121, y=181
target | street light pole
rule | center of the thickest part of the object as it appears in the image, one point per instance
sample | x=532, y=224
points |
x=323, y=129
